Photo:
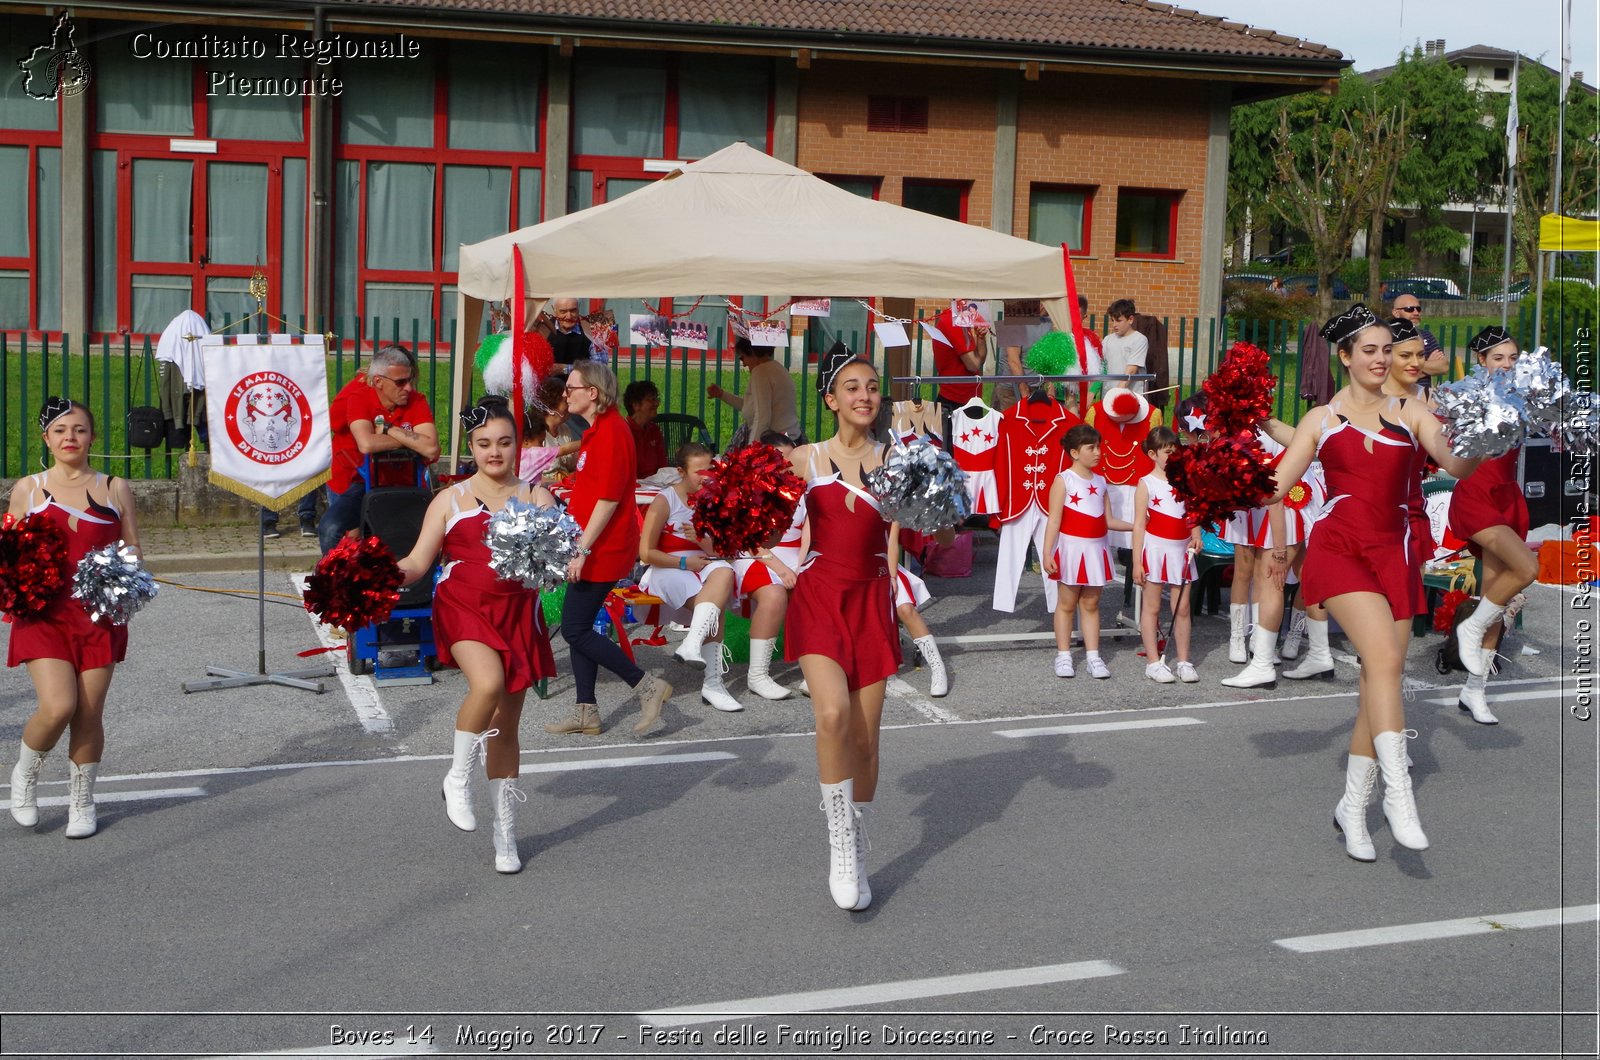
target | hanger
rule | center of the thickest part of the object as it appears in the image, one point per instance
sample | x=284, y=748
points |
x=916, y=392
x=1038, y=393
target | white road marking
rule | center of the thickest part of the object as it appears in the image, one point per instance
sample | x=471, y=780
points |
x=358, y=689
x=898, y=688
x=851, y=997
x=1100, y=726
x=1512, y=697
x=548, y=767
x=1442, y=929
x=123, y=796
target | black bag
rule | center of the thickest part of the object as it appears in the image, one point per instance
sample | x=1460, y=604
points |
x=147, y=428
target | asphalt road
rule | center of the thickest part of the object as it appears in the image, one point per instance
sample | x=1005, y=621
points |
x=1050, y=858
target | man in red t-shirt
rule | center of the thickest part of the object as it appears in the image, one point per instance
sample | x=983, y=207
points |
x=960, y=356
x=379, y=411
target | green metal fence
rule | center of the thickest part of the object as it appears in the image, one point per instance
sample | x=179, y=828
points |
x=112, y=376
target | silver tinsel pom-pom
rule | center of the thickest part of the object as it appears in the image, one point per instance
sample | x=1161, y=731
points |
x=921, y=487
x=1579, y=429
x=532, y=544
x=1483, y=412
x=1543, y=389
x=112, y=584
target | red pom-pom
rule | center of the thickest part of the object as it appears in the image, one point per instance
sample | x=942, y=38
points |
x=748, y=496
x=1239, y=393
x=33, y=564
x=541, y=358
x=354, y=585
x=1444, y=616
x=1123, y=406
x=1220, y=477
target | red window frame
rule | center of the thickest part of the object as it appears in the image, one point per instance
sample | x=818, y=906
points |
x=32, y=140
x=964, y=186
x=837, y=179
x=1173, y=197
x=1086, y=229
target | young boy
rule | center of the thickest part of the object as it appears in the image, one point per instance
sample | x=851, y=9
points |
x=1081, y=560
x=1164, y=547
x=1124, y=350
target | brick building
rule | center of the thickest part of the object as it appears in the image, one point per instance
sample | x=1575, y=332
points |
x=351, y=146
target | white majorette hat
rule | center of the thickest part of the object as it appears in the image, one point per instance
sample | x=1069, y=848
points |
x=1124, y=406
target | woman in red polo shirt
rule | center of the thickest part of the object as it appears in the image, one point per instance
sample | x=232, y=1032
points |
x=602, y=503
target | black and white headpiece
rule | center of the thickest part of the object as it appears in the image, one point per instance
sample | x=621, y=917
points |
x=482, y=412
x=1403, y=330
x=1489, y=338
x=52, y=409
x=1349, y=322
x=833, y=361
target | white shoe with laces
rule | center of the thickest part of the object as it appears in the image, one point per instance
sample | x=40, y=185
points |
x=506, y=795
x=712, y=690
x=1187, y=673
x=1295, y=637
x=1064, y=664
x=863, y=845
x=760, y=679
x=1399, y=803
x=24, y=780
x=839, y=808
x=1098, y=668
x=1474, y=702
x=81, y=820
x=457, y=788
x=1159, y=673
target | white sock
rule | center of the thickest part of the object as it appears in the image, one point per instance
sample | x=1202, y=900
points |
x=1063, y=655
x=1091, y=655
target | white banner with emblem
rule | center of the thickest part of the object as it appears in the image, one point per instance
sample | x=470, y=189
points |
x=268, y=415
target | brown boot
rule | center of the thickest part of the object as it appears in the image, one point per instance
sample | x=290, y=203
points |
x=585, y=719
x=653, y=691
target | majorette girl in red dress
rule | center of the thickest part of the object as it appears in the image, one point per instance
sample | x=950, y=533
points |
x=841, y=624
x=1489, y=513
x=69, y=656
x=490, y=628
x=1356, y=563
x=1164, y=547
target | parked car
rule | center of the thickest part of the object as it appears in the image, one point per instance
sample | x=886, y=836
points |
x=1422, y=287
x=1258, y=279
x=1307, y=282
x=1513, y=293
x=1279, y=257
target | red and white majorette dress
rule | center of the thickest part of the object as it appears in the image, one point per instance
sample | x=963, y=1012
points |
x=1359, y=542
x=1082, y=555
x=842, y=606
x=1301, y=506
x=751, y=573
x=1490, y=496
x=472, y=602
x=63, y=629
x=677, y=587
x=976, y=430
x=1165, y=557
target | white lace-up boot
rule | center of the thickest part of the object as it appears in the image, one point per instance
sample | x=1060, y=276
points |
x=1318, y=661
x=863, y=845
x=1475, y=702
x=760, y=680
x=457, y=787
x=1350, y=814
x=701, y=626
x=1469, y=637
x=81, y=820
x=712, y=690
x=839, y=807
x=505, y=795
x=1238, y=618
x=1296, y=635
x=24, y=779
x=1260, y=673
x=938, y=676
x=1399, y=805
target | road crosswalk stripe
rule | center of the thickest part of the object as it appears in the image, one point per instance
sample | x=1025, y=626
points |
x=1441, y=929
x=1099, y=726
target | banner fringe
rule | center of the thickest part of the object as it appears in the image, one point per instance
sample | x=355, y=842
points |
x=277, y=504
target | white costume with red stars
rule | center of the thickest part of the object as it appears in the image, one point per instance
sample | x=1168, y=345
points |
x=751, y=573
x=976, y=427
x=1082, y=556
x=1029, y=456
x=1165, y=556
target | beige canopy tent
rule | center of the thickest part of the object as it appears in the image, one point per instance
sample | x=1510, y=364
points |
x=741, y=221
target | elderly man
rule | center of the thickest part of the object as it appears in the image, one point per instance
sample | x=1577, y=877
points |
x=1436, y=361
x=567, y=337
x=379, y=411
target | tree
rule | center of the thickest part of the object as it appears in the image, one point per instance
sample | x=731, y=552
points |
x=1252, y=166
x=1334, y=158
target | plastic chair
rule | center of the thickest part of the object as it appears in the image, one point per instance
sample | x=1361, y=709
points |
x=679, y=427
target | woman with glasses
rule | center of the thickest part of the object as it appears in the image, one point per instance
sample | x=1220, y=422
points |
x=379, y=411
x=602, y=503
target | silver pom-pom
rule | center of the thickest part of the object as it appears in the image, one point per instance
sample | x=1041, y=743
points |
x=1484, y=414
x=1543, y=388
x=921, y=487
x=532, y=544
x=113, y=584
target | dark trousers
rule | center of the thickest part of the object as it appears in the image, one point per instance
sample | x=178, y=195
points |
x=588, y=650
x=306, y=510
x=342, y=516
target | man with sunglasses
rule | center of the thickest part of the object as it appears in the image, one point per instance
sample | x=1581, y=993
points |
x=1435, y=361
x=379, y=411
